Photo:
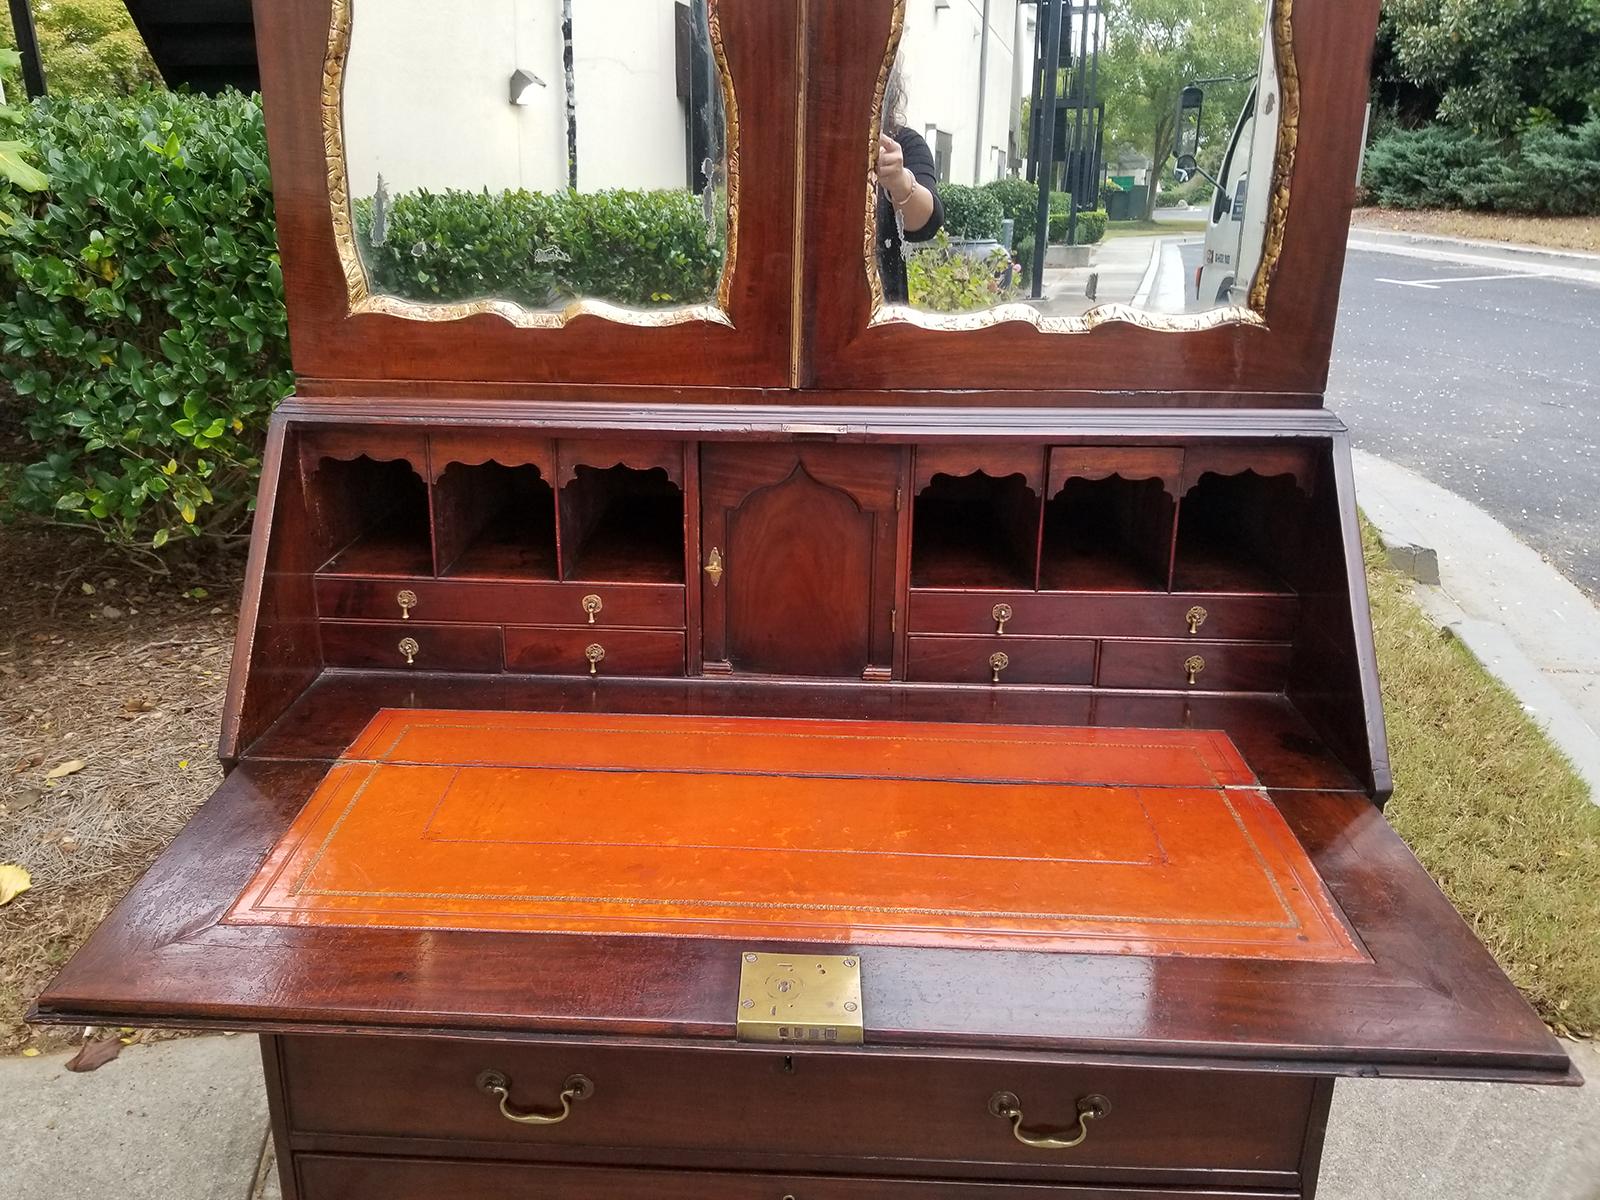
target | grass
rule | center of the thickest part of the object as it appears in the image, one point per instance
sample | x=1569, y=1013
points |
x=1556, y=233
x=1116, y=229
x=1495, y=813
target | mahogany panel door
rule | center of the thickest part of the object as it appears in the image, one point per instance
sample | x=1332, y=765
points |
x=798, y=543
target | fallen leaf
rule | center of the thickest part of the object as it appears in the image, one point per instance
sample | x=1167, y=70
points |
x=29, y=760
x=94, y=1055
x=138, y=704
x=14, y=880
x=31, y=1052
x=65, y=769
x=88, y=589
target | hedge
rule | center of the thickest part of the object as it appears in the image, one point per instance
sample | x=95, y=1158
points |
x=542, y=249
x=1550, y=169
x=971, y=212
x=141, y=306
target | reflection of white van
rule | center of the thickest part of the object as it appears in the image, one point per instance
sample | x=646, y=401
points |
x=1237, y=229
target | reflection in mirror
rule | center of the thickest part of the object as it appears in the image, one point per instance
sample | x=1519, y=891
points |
x=1070, y=161
x=522, y=155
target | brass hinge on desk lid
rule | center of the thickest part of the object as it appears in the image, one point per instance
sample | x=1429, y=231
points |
x=806, y=998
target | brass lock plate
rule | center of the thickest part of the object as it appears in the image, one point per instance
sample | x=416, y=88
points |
x=806, y=998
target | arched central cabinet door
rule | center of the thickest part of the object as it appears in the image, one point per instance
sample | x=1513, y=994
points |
x=799, y=548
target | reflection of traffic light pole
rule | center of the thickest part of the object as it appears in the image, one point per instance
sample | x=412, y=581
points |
x=1080, y=140
x=28, y=47
x=1041, y=147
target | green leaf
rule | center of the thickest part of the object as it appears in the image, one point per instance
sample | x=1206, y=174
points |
x=20, y=173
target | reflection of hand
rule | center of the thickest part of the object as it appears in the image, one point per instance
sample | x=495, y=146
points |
x=892, y=173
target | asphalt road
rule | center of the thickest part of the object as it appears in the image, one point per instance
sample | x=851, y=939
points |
x=1487, y=386
x=1487, y=382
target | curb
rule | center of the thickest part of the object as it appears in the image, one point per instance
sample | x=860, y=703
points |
x=1489, y=641
x=1522, y=248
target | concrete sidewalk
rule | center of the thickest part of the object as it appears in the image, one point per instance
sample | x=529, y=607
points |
x=186, y=1120
x=1524, y=620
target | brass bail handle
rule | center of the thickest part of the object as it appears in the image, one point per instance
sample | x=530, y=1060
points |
x=592, y=605
x=1195, y=618
x=407, y=600
x=410, y=648
x=998, y=661
x=497, y=1085
x=1090, y=1108
x=595, y=654
x=1193, y=667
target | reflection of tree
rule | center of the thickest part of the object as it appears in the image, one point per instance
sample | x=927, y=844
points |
x=1154, y=48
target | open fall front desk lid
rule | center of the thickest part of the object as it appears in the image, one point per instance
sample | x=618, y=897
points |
x=1105, y=840
x=1015, y=888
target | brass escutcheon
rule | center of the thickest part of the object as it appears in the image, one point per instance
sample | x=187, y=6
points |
x=1193, y=667
x=407, y=600
x=714, y=567
x=1001, y=614
x=497, y=1085
x=410, y=648
x=1006, y=1106
x=592, y=606
x=999, y=661
x=595, y=653
x=1195, y=617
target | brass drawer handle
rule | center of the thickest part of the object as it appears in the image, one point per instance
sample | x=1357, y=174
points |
x=999, y=661
x=407, y=600
x=1195, y=618
x=592, y=606
x=1090, y=1108
x=1193, y=667
x=1001, y=614
x=496, y=1085
x=410, y=648
x=596, y=654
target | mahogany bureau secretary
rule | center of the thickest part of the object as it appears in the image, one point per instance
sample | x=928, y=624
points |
x=705, y=724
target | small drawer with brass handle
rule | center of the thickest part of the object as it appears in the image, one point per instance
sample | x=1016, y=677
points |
x=497, y=1086
x=1217, y=618
x=1089, y=1108
x=577, y=651
x=410, y=645
x=996, y=660
x=482, y=602
x=1202, y=666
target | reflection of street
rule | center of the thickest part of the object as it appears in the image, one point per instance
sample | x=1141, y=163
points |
x=1147, y=273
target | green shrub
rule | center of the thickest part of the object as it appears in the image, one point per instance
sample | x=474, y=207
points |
x=1549, y=169
x=1019, y=201
x=970, y=212
x=543, y=248
x=1091, y=227
x=943, y=279
x=143, y=320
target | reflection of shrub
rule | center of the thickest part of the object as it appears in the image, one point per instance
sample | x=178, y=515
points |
x=943, y=279
x=543, y=248
x=1019, y=201
x=1091, y=227
x=970, y=212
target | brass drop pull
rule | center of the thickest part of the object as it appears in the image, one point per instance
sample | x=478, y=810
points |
x=1001, y=614
x=1195, y=617
x=596, y=654
x=410, y=648
x=1193, y=667
x=497, y=1086
x=714, y=567
x=407, y=600
x=1006, y=1106
x=592, y=605
x=999, y=661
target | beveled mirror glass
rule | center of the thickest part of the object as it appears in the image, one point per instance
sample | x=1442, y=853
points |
x=1159, y=131
x=532, y=158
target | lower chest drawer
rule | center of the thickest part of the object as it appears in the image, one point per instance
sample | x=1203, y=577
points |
x=1000, y=660
x=339, y=1177
x=1203, y=666
x=401, y=645
x=866, y=1112
x=593, y=651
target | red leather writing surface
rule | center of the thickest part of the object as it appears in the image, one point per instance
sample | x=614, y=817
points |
x=1103, y=840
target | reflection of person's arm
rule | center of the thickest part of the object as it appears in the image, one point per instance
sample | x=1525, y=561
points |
x=913, y=201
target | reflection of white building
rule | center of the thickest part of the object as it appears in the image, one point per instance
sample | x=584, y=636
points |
x=976, y=134
x=428, y=95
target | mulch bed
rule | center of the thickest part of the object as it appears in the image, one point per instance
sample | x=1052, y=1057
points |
x=111, y=680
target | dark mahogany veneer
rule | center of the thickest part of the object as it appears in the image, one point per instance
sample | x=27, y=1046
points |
x=806, y=514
